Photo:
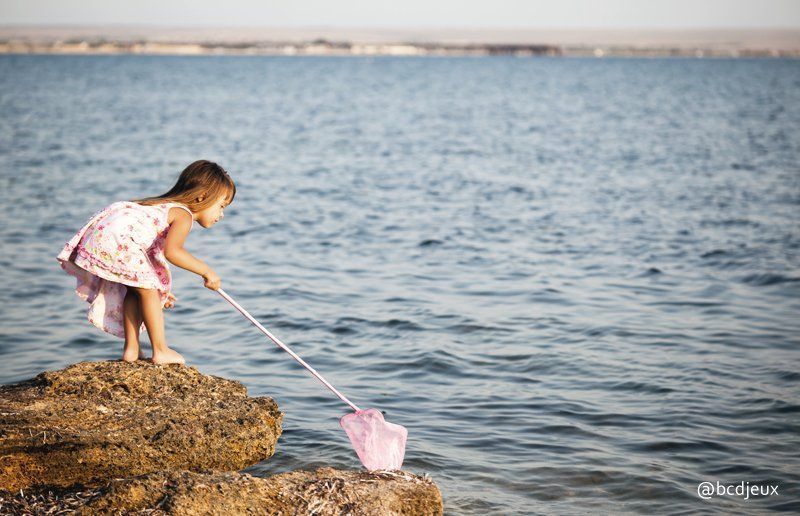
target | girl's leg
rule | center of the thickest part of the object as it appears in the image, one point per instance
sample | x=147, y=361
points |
x=153, y=316
x=132, y=321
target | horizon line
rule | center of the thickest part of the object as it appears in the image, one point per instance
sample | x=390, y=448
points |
x=397, y=27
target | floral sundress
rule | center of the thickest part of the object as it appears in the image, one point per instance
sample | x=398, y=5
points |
x=122, y=245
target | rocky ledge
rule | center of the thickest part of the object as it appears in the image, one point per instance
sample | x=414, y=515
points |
x=326, y=491
x=116, y=437
x=99, y=420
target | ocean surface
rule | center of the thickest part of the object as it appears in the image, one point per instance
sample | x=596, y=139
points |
x=575, y=281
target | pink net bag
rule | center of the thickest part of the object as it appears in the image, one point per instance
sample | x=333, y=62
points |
x=379, y=444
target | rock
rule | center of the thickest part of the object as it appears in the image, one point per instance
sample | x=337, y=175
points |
x=95, y=421
x=326, y=491
x=117, y=437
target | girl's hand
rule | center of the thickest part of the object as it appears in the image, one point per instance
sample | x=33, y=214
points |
x=170, y=301
x=212, y=281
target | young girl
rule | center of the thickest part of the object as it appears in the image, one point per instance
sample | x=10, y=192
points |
x=120, y=256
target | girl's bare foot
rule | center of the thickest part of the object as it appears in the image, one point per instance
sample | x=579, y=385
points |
x=131, y=354
x=167, y=356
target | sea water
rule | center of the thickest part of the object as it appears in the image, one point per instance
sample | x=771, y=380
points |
x=575, y=281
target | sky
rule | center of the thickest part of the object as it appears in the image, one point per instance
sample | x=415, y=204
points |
x=410, y=13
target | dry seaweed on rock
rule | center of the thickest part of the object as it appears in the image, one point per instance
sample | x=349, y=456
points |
x=323, y=492
x=46, y=501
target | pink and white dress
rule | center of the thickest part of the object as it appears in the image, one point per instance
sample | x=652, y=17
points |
x=122, y=245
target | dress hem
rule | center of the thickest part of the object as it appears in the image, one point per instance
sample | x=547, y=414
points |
x=95, y=267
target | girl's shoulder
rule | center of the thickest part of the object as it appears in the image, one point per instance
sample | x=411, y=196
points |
x=179, y=207
x=170, y=205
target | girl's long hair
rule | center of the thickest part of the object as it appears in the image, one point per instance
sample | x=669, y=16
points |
x=202, y=179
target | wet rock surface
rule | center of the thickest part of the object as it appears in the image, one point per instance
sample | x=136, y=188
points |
x=95, y=421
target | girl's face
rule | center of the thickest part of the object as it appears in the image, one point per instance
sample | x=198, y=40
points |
x=211, y=215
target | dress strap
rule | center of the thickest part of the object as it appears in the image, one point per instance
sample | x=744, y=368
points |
x=179, y=205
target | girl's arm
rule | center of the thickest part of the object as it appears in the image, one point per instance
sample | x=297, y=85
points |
x=177, y=255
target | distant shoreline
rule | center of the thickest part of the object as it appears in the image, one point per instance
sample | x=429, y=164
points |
x=277, y=41
x=344, y=49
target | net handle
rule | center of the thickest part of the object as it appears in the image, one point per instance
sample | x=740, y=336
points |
x=283, y=346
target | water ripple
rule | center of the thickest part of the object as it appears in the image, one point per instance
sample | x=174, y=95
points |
x=578, y=298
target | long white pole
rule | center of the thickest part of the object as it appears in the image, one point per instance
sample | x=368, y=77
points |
x=286, y=348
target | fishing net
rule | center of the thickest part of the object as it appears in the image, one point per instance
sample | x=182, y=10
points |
x=379, y=444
